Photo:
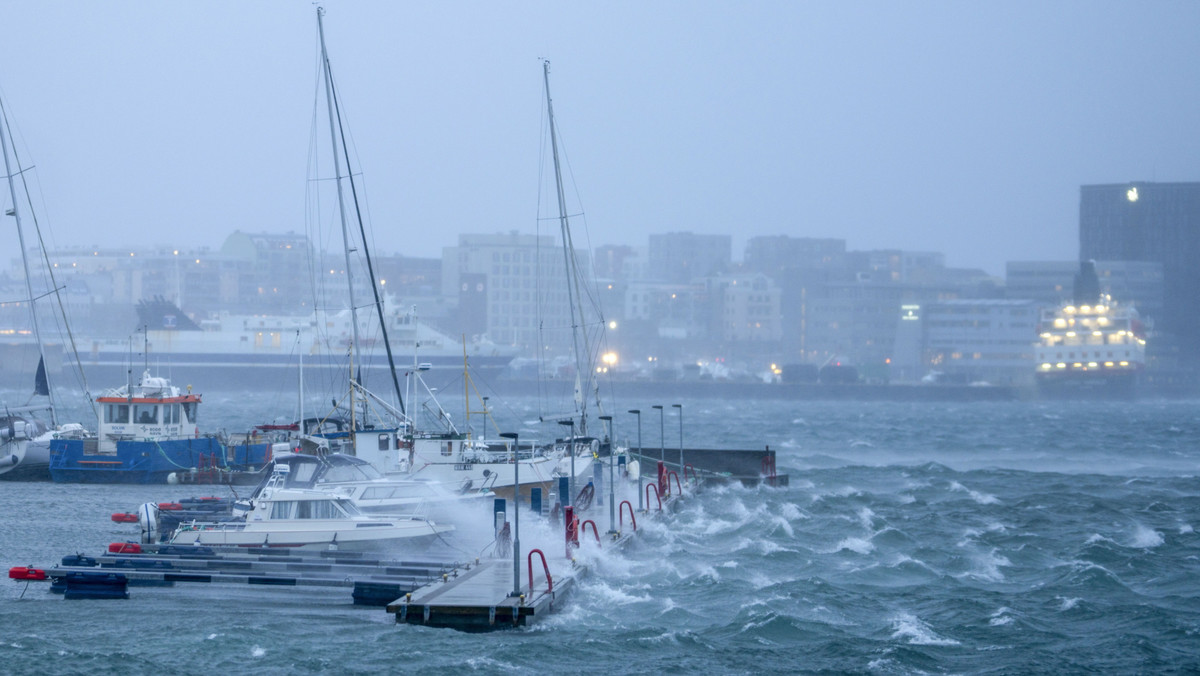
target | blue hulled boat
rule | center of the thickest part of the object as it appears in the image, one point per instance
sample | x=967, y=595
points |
x=148, y=433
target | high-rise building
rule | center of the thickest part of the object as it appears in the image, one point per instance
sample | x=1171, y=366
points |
x=527, y=302
x=1151, y=222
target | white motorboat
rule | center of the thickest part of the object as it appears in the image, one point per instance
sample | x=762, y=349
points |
x=307, y=519
x=359, y=481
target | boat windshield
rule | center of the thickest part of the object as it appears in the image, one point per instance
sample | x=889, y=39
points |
x=347, y=468
x=349, y=507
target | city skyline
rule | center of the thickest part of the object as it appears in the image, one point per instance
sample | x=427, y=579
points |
x=965, y=130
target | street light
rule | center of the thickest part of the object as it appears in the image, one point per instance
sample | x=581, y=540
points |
x=612, y=496
x=570, y=449
x=516, y=513
x=638, y=413
x=662, y=445
x=680, y=407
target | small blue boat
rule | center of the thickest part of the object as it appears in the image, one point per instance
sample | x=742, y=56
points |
x=148, y=434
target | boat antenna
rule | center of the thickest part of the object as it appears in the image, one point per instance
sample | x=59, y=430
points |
x=335, y=110
x=16, y=213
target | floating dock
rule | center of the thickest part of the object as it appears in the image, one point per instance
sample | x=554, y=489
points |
x=478, y=595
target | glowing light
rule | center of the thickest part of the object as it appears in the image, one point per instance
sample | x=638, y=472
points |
x=612, y=326
x=609, y=358
x=1132, y=194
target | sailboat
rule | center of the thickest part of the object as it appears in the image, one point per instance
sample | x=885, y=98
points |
x=581, y=444
x=24, y=437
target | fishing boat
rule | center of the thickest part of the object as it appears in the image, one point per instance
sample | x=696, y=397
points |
x=298, y=518
x=24, y=437
x=149, y=433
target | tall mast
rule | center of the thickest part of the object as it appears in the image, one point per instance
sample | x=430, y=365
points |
x=16, y=213
x=337, y=172
x=336, y=132
x=574, y=300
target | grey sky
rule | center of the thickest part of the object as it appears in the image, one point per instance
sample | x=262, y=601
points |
x=965, y=128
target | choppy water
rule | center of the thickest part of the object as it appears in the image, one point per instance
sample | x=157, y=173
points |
x=914, y=538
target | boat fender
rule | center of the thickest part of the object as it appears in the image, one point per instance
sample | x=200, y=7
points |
x=148, y=520
x=26, y=573
x=12, y=460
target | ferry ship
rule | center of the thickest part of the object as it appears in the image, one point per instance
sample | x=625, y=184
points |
x=1091, y=345
x=234, y=348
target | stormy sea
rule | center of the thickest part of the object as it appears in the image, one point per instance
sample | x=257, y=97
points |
x=937, y=538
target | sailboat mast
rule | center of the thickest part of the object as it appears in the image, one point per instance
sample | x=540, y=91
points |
x=582, y=370
x=337, y=173
x=331, y=102
x=16, y=213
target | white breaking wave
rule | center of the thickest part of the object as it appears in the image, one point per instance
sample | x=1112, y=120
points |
x=257, y=652
x=856, y=545
x=1067, y=603
x=1146, y=538
x=981, y=498
x=1001, y=617
x=910, y=627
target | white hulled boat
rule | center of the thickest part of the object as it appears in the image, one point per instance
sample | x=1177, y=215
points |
x=307, y=519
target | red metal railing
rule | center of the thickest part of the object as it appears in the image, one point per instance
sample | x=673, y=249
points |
x=695, y=477
x=545, y=567
x=621, y=515
x=595, y=531
x=656, y=496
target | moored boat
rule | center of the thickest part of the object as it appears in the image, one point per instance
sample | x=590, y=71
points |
x=298, y=518
x=148, y=433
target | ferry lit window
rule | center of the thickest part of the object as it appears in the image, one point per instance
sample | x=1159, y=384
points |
x=145, y=414
x=116, y=413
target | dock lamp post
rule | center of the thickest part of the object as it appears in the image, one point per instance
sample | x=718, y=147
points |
x=679, y=407
x=516, y=512
x=570, y=501
x=612, y=496
x=662, y=444
x=638, y=413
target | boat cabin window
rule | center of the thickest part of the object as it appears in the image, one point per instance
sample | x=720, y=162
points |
x=171, y=414
x=283, y=509
x=385, y=441
x=116, y=413
x=189, y=410
x=145, y=414
x=318, y=509
x=448, y=448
